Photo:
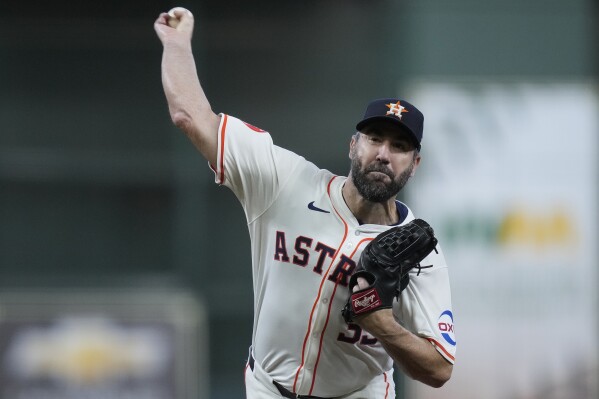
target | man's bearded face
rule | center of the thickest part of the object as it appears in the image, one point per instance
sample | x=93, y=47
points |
x=374, y=187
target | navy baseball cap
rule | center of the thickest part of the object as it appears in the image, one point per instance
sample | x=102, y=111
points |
x=398, y=111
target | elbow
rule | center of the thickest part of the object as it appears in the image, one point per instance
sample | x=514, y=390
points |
x=182, y=120
x=436, y=382
x=436, y=378
x=440, y=377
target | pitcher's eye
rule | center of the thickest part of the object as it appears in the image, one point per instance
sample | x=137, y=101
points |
x=401, y=145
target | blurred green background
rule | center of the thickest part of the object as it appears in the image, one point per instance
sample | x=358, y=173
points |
x=98, y=189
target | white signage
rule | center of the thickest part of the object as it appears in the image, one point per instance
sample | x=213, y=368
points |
x=509, y=182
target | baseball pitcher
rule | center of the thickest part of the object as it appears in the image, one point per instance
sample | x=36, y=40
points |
x=347, y=282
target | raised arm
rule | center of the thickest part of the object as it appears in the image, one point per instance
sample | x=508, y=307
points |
x=188, y=106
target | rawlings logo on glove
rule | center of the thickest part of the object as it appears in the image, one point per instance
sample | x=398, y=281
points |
x=385, y=264
x=365, y=301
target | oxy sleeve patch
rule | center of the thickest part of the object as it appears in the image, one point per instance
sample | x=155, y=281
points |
x=445, y=325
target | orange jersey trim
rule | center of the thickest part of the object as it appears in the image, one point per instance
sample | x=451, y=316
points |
x=325, y=275
x=346, y=228
x=221, y=156
x=329, y=314
x=438, y=345
x=386, y=382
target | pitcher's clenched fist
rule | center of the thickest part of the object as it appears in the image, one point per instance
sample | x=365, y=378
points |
x=175, y=24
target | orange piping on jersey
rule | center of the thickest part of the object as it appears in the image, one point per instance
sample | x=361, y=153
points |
x=322, y=335
x=319, y=293
x=442, y=348
x=329, y=314
x=221, y=161
x=387, y=383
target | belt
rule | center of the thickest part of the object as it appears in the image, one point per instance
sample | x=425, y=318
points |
x=282, y=390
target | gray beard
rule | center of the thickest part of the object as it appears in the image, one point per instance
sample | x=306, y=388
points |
x=378, y=191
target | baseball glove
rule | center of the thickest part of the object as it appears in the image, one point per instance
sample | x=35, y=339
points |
x=385, y=263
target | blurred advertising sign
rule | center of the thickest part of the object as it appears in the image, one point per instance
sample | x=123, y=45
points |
x=509, y=181
x=117, y=345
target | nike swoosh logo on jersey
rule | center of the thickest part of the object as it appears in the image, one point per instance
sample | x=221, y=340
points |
x=314, y=208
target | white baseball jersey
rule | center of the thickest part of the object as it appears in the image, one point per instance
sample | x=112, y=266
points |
x=305, y=244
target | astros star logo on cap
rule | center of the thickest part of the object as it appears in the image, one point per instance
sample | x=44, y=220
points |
x=395, y=109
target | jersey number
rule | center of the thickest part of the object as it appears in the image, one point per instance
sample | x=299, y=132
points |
x=357, y=336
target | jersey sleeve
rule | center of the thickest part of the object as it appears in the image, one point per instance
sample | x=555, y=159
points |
x=251, y=165
x=424, y=307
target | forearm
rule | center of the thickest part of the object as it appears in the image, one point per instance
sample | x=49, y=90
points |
x=187, y=103
x=182, y=88
x=415, y=355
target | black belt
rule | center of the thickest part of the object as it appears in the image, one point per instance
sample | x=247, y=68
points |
x=282, y=390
